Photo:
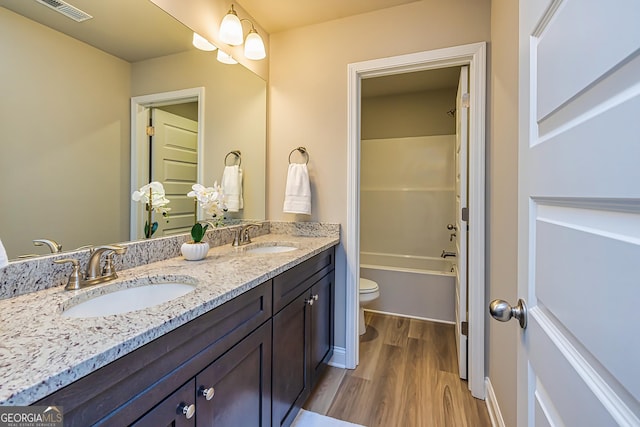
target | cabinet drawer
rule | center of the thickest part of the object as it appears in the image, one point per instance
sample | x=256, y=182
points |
x=121, y=391
x=290, y=284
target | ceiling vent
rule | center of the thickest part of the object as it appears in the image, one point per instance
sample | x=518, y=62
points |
x=66, y=9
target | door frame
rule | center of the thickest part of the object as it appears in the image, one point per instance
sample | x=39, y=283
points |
x=473, y=55
x=139, y=152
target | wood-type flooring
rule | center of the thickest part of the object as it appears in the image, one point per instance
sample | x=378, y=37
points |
x=407, y=377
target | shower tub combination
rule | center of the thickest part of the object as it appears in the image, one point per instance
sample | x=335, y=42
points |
x=411, y=286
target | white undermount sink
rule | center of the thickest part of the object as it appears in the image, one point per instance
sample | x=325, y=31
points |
x=127, y=300
x=276, y=249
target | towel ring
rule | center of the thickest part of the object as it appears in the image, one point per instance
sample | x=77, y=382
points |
x=235, y=153
x=302, y=151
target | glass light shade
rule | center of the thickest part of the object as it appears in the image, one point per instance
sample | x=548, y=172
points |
x=202, y=43
x=231, y=29
x=254, y=46
x=225, y=58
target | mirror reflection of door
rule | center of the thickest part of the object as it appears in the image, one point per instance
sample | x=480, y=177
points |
x=174, y=162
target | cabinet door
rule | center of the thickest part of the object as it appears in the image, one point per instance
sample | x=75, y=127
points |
x=321, y=325
x=291, y=387
x=177, y=410
x=238, y=385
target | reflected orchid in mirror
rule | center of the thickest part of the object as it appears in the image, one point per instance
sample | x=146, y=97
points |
x=155, y=200
x=211, y=200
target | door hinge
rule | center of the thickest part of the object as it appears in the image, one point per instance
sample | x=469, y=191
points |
x=151, y=131
x=465, y=214
x=465, y=100
x=464, y=328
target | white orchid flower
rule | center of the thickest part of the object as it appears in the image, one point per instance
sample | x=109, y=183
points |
x=210, y=199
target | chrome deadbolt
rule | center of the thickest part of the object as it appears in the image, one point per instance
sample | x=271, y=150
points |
x=502, y=311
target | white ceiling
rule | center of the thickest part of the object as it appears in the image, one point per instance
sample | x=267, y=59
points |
x=133, y=30
x=279, y=15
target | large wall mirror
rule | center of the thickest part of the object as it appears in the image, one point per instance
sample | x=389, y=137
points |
x=66, y=91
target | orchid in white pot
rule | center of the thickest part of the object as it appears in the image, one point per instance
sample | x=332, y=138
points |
x=212, y=200
x=155, y=200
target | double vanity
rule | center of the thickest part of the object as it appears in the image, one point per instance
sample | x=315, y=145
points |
x=238, y=339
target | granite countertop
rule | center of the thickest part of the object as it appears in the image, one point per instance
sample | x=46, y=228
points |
x=41, y=351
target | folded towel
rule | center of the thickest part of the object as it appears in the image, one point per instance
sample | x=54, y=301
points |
x=232, y=187
x=297, y=196
x=4, y=259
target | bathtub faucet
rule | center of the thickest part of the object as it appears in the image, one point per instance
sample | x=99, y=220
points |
x=446, y=254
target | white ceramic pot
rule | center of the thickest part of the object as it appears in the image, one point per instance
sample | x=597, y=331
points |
x=194, y=251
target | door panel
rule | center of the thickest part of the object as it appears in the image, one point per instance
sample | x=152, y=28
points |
x=579, y=212
x=174, y=158
x=462, y=141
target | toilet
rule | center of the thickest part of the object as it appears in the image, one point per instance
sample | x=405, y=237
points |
x=369, y=291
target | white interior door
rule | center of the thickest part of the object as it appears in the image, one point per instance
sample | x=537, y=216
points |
x=462, y=141
x=579, y=213
x=174, y=163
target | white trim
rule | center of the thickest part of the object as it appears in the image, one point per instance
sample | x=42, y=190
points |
x=473, y=55
x=338, y=359
x=408, y=316
x=137, y=145
x=492, y=406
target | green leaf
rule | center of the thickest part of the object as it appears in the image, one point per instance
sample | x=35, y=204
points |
x=198, y=232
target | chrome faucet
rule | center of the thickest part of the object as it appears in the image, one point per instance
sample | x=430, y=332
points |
x=54, y=246
x=242, y=235
x=446, y=254
x=93, y=275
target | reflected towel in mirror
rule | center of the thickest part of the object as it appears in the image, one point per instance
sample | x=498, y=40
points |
x=232, y=187
x=297, y=197
x=4, y=259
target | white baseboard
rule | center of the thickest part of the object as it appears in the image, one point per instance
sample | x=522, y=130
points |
x=492, y=405
x=339, y=358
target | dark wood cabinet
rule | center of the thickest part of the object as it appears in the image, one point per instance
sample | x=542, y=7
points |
x=177, y=410
x=241, y=364
x=322, y=326
x=302, y=333
x=238, y=385
x=291, y=334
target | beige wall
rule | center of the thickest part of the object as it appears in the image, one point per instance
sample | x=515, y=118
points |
x=64, y=159
x=411, y=114
x=308, y=95
x=235, y=114
x=502, y=192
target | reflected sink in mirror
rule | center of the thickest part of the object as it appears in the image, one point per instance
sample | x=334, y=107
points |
x=128, y=300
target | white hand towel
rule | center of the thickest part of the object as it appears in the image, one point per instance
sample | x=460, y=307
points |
x=232, y=187
x=297, y=197
x=4, y=259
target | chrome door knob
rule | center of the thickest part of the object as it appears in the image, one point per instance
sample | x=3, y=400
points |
x=187, y=410
x=502, y=311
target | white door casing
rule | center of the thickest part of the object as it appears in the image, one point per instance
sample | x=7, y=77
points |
x=462, y=140
x=139, y=144
x=473, y=55
x=579, y=213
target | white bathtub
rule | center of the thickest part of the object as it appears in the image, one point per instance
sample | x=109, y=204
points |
x=420, y=287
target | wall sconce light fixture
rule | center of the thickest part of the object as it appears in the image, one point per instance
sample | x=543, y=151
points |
x=231, y=33
x=202, y=43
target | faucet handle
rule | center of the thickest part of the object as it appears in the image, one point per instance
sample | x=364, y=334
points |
x=75, y=278
x=108, y=269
